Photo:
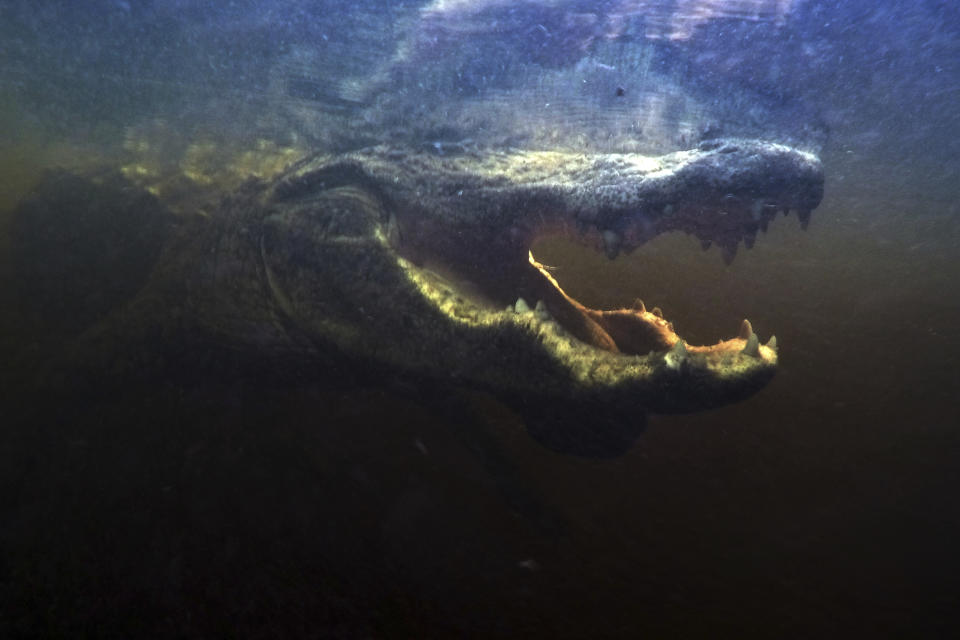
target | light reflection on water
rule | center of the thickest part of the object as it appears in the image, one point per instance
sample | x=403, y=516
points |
x=831, y=493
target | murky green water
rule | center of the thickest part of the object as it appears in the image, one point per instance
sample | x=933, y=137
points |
x=212, y=506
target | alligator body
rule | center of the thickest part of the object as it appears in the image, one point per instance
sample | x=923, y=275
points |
x=418, y=263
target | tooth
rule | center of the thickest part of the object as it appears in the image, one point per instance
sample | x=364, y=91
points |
x=745, y=330
x=749, y=238
x=755, y=209
x=804, y=215
x=611, y=244
x=764, y=223
x=393, y=231
x=785, y=211
x=657, y=312
x=705, y=244
x=541, y=310
x=676, y=356
x=752, y=348
x=639, y=306
x=772, y=343
x=729, y=253
x=521, y=306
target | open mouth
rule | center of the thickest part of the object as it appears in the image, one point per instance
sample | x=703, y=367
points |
x=638, y=331
x=459, y=230
x=576, y=332
x=723, y=193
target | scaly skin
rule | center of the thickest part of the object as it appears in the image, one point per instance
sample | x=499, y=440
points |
x=411, y=262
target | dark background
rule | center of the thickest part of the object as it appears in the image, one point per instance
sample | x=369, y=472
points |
x=826, y=505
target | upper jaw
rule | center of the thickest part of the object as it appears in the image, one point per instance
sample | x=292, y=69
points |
x=487, y=210
x=723, y=192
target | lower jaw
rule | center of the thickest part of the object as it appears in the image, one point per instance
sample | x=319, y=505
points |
x=529, y=285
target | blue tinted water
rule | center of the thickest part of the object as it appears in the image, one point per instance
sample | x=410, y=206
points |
x=823, y=506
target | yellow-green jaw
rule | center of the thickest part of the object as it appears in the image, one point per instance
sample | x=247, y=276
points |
x=423, y=263
x=677, y=378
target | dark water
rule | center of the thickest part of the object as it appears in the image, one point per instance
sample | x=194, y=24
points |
x=823, y=506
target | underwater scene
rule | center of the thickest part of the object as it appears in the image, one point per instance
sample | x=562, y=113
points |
x=479, y=319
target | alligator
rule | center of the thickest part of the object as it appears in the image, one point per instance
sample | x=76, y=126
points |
x=417, y=262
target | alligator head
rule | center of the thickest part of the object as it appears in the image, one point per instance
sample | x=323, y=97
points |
x=423, y=260
x=413, y=254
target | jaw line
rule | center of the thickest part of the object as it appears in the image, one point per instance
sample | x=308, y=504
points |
x=585, y=333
